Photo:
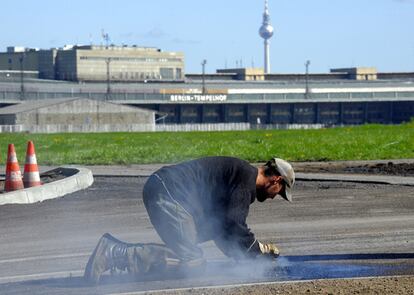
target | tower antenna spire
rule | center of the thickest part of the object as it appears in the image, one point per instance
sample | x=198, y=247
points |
x=266, y=32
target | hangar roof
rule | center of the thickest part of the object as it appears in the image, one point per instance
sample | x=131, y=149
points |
x=42, y=103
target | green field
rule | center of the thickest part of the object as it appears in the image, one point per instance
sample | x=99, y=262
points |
x=366, y=142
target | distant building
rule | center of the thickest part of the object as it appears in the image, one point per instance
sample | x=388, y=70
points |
x=47, y=63
x=96, y=63
x=358, y=73
x=258, y=74
x=245, y=74
x=19, y=58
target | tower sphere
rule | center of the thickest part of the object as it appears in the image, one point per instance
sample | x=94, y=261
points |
x=266, y=31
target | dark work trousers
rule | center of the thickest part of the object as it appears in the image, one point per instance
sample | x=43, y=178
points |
x=172, y=222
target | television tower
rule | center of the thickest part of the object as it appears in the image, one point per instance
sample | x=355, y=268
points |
x=266, y=32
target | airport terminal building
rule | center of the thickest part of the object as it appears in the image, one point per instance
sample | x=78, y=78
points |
x=154, y=80
x=278, y=101
x=278, y=105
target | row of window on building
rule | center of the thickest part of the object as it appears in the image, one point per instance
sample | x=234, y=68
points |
x=295, y=113
x=130, y=59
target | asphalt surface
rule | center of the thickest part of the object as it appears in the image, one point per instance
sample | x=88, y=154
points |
x=332, y=229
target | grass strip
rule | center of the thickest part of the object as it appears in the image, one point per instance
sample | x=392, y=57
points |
x=367, y=142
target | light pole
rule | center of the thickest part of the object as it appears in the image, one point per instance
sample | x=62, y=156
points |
x=108, y=79
x=307, y=92
x=21, y=59
x=203, y=64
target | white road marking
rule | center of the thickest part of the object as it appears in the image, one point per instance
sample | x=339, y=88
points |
x=59, y=274
x=47, y=275
x=44, y=257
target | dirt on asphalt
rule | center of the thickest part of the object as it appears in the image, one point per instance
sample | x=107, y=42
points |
x=382, y=285
x=390, y=167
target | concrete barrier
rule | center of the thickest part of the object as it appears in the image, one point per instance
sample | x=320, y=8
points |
x=75, y=179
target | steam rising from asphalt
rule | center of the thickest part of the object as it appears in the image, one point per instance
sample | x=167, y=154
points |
x=223, y=271
x=249, y=270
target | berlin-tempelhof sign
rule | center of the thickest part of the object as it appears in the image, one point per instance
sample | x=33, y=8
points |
x=198, y=98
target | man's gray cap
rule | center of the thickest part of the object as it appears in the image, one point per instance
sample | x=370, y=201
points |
x=286, y=171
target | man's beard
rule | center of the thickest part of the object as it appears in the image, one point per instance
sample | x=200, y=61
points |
x=261, y=195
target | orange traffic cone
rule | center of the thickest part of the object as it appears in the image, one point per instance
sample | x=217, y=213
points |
x=13, y=175
x=31, y=176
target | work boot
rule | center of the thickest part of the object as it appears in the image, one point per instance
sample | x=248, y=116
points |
x=110, y=253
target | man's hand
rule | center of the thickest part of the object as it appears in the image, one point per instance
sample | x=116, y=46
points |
x=269, y=249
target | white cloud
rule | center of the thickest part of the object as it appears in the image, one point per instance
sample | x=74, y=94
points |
x=183, y=41
x=155, y=33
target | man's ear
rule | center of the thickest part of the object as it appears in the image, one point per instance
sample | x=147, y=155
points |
x=277, y=178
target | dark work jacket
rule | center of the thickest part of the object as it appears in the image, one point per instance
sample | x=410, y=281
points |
x=217, y=192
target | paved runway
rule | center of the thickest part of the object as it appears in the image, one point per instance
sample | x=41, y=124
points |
x=331, y=229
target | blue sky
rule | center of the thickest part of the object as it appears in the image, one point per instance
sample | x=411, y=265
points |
x=329, y=33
